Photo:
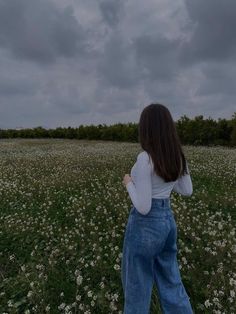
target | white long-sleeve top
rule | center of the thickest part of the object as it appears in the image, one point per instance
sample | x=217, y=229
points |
x=146, y=184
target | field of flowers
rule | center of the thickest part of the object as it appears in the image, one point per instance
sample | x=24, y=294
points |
x=63, y=213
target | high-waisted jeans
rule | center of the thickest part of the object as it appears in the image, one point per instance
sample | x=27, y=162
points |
x=150, y=256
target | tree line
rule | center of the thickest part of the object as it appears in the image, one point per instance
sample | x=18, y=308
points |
x=195, y=131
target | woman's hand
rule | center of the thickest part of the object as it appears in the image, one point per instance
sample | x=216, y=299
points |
x=127, y=178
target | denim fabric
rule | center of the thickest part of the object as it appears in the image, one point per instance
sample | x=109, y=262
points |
x=150, y=257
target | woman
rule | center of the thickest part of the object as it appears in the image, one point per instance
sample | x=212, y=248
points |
x=149, y=248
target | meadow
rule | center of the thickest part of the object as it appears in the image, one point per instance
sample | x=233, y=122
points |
x=63, y=213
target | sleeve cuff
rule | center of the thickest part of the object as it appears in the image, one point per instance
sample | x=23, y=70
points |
x=131, y=190
x=129, y=185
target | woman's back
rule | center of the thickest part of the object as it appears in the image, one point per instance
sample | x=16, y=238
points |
x=147, y=184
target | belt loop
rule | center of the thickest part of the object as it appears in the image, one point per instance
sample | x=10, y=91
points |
x=162, y=201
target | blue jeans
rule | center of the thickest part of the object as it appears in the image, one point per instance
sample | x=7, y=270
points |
x=150, y=256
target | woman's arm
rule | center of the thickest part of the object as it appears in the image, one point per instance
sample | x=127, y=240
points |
x=141, y=192
x=184, y=184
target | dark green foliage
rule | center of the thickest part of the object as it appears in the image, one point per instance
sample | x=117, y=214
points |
x=196, y=131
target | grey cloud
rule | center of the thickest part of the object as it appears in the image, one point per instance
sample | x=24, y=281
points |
x=213, y=25
x=112, y=11
x=67, y=99
x=100, y=70
x=218, y=80
x=17, y=87
x=117, y=65
x=157, y=56
x=126, y=64
x=39, y=30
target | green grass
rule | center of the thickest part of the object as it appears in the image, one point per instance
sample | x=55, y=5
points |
x=63, y=211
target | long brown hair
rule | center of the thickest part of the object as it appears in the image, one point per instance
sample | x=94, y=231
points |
x=158, y=137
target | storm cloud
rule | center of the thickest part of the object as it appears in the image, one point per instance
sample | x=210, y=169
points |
x=213, y=23
x=66, y=62
x=39, y=31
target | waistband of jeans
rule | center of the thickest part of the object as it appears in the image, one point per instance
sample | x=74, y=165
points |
x=161, y=202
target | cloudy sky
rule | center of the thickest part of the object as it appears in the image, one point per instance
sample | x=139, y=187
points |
x=72, y=62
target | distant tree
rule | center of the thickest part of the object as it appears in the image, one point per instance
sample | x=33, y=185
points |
x=233, y=133
x=183, y=129
x=196, y=131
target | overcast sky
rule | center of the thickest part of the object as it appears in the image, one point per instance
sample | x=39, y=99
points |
x=72, y=62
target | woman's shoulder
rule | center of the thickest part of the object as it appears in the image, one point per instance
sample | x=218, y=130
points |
x=143, y=156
